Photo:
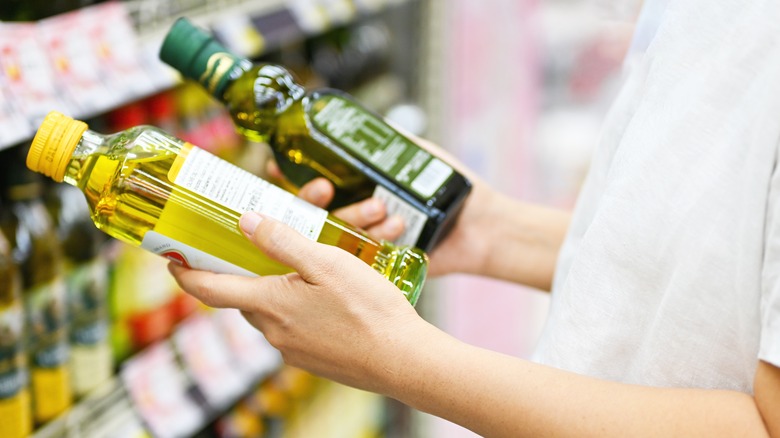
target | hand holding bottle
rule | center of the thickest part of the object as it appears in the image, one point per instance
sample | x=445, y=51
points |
x=461, y=251
x=330, y=317
x=369, y=214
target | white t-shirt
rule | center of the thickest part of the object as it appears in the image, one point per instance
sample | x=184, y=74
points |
x=670, y=274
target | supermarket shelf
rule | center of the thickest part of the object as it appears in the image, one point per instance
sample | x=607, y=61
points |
x=32, y=82
x=175, y=387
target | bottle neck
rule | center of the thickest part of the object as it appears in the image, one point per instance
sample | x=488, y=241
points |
x=89, y=144
x=222, y=70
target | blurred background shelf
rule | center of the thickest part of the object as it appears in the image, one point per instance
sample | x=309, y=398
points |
x=88, y=61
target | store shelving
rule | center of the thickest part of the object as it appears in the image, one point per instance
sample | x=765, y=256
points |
x=75, y=62
x=112, y=49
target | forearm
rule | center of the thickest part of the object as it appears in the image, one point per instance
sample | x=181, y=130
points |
x=499, y=396
x=520, y=242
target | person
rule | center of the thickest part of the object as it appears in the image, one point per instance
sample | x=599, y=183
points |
x=665, y=279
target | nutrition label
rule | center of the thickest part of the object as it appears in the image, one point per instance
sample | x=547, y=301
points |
x=374, y=141
x=239, y=190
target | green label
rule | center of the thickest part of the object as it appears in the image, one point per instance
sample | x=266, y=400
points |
x=373, y=141
x=87, y=302
x=11, y=343
x=46, y=318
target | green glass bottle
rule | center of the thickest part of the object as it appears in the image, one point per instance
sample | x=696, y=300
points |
x=14, y=395
x=326, y=133
x=86, y=277
x=28, y=226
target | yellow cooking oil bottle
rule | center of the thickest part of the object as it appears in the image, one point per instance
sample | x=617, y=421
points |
x=148, y=188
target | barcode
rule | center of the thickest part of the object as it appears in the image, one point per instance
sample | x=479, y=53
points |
x=431, y=178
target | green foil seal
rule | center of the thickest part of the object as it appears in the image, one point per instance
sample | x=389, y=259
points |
x=197, y=55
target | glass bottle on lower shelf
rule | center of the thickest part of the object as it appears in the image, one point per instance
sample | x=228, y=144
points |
x=86, y=275
x=14, y=394
x=36, y=250
x=150, y=189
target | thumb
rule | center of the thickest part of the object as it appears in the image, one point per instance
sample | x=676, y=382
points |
x=282, y=243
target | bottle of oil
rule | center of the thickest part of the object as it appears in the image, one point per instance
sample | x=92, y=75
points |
x=150, y=189
x=14, y=395
x=36, y=250
x=86, y=275
x=324, y=132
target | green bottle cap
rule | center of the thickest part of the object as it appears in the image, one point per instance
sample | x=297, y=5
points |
x=197, y=55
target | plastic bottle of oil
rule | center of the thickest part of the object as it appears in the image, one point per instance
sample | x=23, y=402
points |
x=14, y=394
x=35, y=248
x=86, y=274
x=150, y=189
x=324, y=132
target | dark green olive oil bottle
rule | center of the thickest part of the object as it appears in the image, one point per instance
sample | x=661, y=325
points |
x=326, y=133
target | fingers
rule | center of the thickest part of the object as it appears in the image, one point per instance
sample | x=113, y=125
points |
x=284, y=244
x=272, y=170
x=362, y=214
x=389, y=229
x=318, y=191
x=371, y=215
x=217, y=290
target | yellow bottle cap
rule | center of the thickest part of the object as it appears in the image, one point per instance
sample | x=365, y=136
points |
x=53, y=145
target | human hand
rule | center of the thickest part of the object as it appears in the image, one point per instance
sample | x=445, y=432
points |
x=335, y=316
x=460, y=251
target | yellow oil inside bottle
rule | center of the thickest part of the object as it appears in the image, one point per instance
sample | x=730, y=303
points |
x=147, y=201
x=128, y=180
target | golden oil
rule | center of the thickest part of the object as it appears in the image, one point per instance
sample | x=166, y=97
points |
x=150, y=189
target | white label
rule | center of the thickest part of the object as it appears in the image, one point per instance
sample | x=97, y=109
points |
x=239, y=190
x=188, y=256
x=414, y=219
x=432, y=177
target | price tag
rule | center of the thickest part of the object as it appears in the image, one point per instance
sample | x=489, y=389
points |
x=209, y=361
x=160, y=391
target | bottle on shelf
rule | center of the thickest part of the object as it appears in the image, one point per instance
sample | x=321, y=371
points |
x=35, y=248
x=324, y=132
x=86, y=274
x=150, y=189
x=14, y=394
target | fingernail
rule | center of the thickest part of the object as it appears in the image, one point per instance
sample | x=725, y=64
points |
x=373, y=208
x=249, y=222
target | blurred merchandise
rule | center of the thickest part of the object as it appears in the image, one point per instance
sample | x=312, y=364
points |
x=14, y=394
x=162, y=392
x=86, y=274
x=27, y=77
x=29, y=228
